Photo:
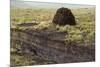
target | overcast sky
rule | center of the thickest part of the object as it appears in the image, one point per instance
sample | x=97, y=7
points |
x=30, y=4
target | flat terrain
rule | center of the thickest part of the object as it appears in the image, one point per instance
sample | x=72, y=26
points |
x=80, y=36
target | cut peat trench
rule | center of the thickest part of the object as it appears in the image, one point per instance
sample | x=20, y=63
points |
x=50, y=45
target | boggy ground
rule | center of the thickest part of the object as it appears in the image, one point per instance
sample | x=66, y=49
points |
x=31, y=47
x=36, y=40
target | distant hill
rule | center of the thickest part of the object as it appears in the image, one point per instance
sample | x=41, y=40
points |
x=33, y=4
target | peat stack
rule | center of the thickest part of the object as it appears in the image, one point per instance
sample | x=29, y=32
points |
x=64, y=16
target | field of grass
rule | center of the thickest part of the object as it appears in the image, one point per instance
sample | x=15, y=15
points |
x=83, y=32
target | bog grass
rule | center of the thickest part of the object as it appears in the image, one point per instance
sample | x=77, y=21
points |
x=83, y=32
